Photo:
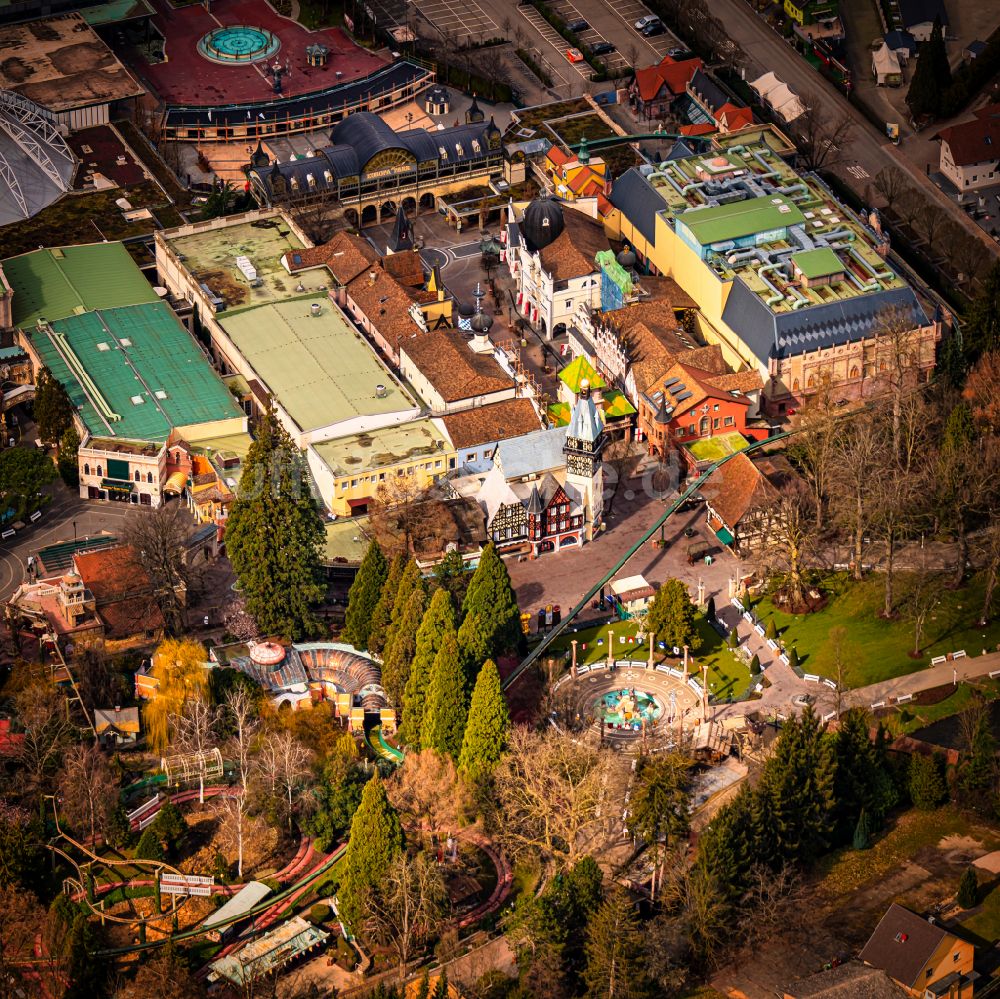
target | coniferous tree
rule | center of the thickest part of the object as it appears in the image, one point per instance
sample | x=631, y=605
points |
x=862, y=839
x=771, y=630
x=441, y=988
x=755, y=665
x=69, y=448
x=793, y=657
x=487, y=728
x=363, y=597
x=981, y=330
x=445, y=715
x=863, y=782
x=926, y=782
x=402, y=645
x=376, y=840
x=274, y=533
x=491, y=596
x=730, y=844
x=616, y=960
x=382, y=615
x=473, y=646
x=424, y=990
x=52, y=408
x=798, y=788
x=671, y=616
x=710, y=609
x=438, y=621
x=968, y=889
x=932, y=75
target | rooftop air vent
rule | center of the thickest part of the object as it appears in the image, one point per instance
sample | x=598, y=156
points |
x=125, y=341
x=160, y=394
x=103, y=346
x=137, y=400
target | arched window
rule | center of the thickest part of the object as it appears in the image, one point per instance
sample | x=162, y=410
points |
x=854, y=371
x=137, y=476
x=86, y=469
x=99, y=471
x=795, y=385
x=811, y=383
x=149, y=476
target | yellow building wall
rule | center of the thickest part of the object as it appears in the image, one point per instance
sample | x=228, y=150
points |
x=343, y=489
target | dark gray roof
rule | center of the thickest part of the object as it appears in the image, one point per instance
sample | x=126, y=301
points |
x=922, y=12
x=638, y=201
x=902, y=944
x=710, y=93
x=366, y=133
x=680, y=150
x=789, y=333
x=362, y=135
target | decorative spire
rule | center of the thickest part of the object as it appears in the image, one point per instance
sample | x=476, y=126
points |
x=583, y=155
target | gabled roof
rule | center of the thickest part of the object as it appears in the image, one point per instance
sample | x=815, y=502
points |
x=897, y=40
x=111, y=573
x=902, y=944
x=579, y=369
x=669, y=74
x=454, y=370
x=558, y=156
x=124, y=720
x=345, y=256
x=708, y=91
x=571, y=254
x=532, y=454
x=737, y=487
x=696, y=385
x=734, y=117
x=638, y=201
x=850, y=980
x=976, y=141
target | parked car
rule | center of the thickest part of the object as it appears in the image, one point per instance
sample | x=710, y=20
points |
x=574, y=55
x=654, y=28
x=602, y=48
x=643, y=21
x=577, y=25
x=680, y=53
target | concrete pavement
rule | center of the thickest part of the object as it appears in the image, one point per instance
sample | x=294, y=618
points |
x=868, y=149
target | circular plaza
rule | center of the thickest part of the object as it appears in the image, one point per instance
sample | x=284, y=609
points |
x=238, y=43
x=630, y=702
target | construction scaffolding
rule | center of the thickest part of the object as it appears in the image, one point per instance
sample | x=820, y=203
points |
x=191, y=767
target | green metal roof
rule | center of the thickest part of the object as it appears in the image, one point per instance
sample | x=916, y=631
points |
x=66, y=281
x=320, y=369
x=109, y=358
x=818, y=263
x=741, y=218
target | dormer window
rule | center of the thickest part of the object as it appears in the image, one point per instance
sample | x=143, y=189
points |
x=475, y=146
x=458, y=149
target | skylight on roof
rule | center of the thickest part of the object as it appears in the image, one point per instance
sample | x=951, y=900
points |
x=684, y=395
x=103, y=346
x=160, y=394
x=125, y=341
x=137, y=400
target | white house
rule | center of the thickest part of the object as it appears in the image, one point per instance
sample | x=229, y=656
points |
x=970, y=151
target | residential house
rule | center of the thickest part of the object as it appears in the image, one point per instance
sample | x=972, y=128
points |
x=970, y=150
x=723, y=112
x=850, y=980
x=550, y=252
x=578, y=175
x=655, y=89
x=921, y=956
x=740, y=497
x=117, y=726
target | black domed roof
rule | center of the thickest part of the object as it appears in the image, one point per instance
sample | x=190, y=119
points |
x=481, y=322
x=542, y=223
x=465, y=309
x=626, y=258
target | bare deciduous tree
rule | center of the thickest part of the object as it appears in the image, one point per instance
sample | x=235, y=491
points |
x=43, y=714
x=282, y=770
x=410, y=907
x=813, y=449
x=195, y=729
x=820, y=135
x=891, y=182
x=240, y=714
x=790, y=539
x=920, y=594
x=157, y=538
x=547, y=789
x=88, y=790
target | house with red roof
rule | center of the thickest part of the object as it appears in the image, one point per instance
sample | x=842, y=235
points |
x=655, y=89
x=578, y=175
x=709, y=101
x=970, y=150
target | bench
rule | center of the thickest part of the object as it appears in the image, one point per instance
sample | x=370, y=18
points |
x=937, y=660
x=959, y=655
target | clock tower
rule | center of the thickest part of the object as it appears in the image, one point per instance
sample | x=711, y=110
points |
x=584, y=465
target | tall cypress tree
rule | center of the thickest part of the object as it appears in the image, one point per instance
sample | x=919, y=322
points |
x=53, y=408
x=445, y=715
x=274, y=533
x=932, y=75
x=616, y=958
x=382, y=615
x=474, y=646
x=491, y=596
x=363, y=597
x=487, y=728
x=375, y=841
x=438, y=621
x=402, y=647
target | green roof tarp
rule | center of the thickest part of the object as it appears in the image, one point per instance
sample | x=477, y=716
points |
x=724, y=536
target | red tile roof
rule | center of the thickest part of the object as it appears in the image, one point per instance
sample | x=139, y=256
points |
x=976, y=141
x=733, y=117
x=558, y=156
x=497, y=422
x=702, y=128
x=345, y=256
x=455, y=371
x=111, y=573
x=735, y=488
x=674, y=76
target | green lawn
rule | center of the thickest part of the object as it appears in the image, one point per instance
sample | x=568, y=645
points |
x=728, y=676
x=986, y=922
x=716, y=448
x=881, y=647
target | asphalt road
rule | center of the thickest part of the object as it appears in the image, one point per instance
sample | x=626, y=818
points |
x=868, y=151
x=56, y=524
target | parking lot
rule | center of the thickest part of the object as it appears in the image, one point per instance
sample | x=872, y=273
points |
x=563, y=71
x=659, y=45
x=590, y=36
x=463, y=20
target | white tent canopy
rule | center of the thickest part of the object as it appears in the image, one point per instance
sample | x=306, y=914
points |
x=780, y=96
